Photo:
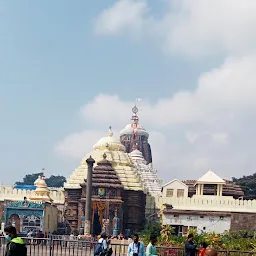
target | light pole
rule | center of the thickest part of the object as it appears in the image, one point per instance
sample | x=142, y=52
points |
x=88, y=207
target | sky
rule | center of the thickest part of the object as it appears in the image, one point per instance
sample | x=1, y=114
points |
x=69, y=70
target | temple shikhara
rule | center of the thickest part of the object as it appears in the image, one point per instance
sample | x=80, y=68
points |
x=126, y=192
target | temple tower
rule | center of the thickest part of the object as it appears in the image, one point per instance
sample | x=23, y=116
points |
x=134, y=136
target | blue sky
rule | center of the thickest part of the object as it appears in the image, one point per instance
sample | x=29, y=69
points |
x=53, y=63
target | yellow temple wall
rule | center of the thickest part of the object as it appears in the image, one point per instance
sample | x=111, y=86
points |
x=50, y=218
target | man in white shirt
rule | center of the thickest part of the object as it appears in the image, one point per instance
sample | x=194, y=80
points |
x=136, y=248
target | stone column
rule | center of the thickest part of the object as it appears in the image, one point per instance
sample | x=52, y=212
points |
x=88, y=207
x=220, y=189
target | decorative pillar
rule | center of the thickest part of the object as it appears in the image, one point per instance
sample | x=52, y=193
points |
x=197, y=186
x=218, y=190
x=88, y=207
x=202, y=190
x=221, y=189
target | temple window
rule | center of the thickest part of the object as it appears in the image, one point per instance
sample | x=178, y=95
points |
x=180, y=192
x=169, y=192
x=31, y=222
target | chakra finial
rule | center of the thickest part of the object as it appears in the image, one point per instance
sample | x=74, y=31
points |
x=135, y=110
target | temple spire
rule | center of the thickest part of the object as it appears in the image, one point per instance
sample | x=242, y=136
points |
x=110, y=133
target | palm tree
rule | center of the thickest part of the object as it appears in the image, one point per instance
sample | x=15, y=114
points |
x=166, y=233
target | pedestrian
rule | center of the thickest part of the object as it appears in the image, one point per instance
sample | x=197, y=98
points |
x=15, y=245
x=151, y=248
x=136, y=248
x=102, y=245
x=202, y=250
x=190, y=246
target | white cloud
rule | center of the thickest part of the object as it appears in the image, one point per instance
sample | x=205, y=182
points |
x=190, y=131
x=211, y=127
x=124, y=15
x=191, y=28
x=78, y=144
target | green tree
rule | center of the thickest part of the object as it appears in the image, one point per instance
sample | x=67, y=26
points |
x=247, y=183
x=29, y=179
x=56, y=181
x=52, y=181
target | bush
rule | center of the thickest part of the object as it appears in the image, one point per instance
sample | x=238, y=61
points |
x=240, y=240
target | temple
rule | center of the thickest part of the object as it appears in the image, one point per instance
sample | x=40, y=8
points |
x=129, y=197
x=36, y=213
x=134, y=136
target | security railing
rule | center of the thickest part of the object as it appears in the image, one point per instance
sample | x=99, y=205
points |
x=73, y=246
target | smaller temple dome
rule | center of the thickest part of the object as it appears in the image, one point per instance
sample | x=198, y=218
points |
x=41, y=192
x=137, y=155
x=109, y=142
x=210, y=178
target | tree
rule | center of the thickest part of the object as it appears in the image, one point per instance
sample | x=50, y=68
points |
x=56, y=181
x=29, y=179
x=247, y=183
x=52, y=181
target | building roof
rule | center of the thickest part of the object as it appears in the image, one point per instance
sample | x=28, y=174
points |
x=175, y=180
x=229, y=188
x=25, y=187
x=104, y=175
x=210, y=178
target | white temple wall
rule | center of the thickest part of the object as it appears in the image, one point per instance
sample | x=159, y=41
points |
x=218, y=224
x=210, y=203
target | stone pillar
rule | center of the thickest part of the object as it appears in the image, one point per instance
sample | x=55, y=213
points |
x=220, y=189
x=88, y=207
x=202, y=189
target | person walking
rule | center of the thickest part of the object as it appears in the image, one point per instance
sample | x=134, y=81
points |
x=203, y=247
x=151, y=248
x=15, y=245
x=102, y=246
x=190, y=246
x=136, y=248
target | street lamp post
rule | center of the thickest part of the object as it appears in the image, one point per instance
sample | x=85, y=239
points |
x=88, y=207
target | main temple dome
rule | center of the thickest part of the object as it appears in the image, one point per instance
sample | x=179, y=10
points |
x=134, y=127
x=117, y=156
x=134, y=136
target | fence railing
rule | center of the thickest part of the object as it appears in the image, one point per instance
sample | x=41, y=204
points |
x=72, y=246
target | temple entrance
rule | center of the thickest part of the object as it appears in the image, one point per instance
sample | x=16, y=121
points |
x=14, y=220
x=31, y=222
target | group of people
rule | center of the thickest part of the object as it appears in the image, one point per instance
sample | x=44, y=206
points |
x=16, y=247
x=135, y=248
x=191, y=248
